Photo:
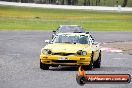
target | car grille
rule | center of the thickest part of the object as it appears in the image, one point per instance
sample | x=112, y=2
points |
x=64, y=61
x=63, y=54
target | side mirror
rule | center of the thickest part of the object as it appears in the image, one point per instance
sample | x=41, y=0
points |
x=47, y=41
x=87, y=32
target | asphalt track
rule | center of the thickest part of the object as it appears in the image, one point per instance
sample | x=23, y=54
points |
x=19, y=62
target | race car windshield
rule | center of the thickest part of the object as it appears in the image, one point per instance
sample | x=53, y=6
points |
x=71, y=39
x=66, y=29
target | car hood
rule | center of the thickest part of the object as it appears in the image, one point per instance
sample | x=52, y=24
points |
x=67, y=48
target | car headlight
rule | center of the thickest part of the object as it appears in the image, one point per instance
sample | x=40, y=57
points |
x=46, y=51
x=84, y=53
x=80, y=52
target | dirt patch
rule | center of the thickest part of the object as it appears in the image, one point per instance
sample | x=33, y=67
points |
x=126, y=47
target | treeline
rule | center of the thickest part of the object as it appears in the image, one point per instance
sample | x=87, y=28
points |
x=75, y=2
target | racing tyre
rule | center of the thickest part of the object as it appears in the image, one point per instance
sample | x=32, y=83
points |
x=90, y=66
x=97, y=63
x=44, y=66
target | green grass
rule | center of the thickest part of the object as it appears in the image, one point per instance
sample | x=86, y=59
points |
x=20, y=18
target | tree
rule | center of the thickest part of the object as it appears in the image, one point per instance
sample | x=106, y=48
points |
x=87, y=2
x=124, y=3
x=72, y=2
x=69, y=2
x=97, y=2
x=63, y=2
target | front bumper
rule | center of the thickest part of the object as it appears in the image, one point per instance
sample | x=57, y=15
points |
x=70, y=60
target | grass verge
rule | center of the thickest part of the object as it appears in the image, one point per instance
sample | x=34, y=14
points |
x=19, y=18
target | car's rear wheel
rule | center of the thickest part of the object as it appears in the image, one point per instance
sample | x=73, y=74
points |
x=97, y=63
x=44, y=66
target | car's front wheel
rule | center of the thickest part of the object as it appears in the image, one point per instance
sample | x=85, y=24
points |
x=44, y=66
x=97, y=63
x=90, y=66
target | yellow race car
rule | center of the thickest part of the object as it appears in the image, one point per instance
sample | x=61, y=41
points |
x=71, y=49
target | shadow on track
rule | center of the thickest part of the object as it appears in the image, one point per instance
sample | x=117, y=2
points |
x=69, y=68
x=112, y=69
x=103, y=68
x=64, y=68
